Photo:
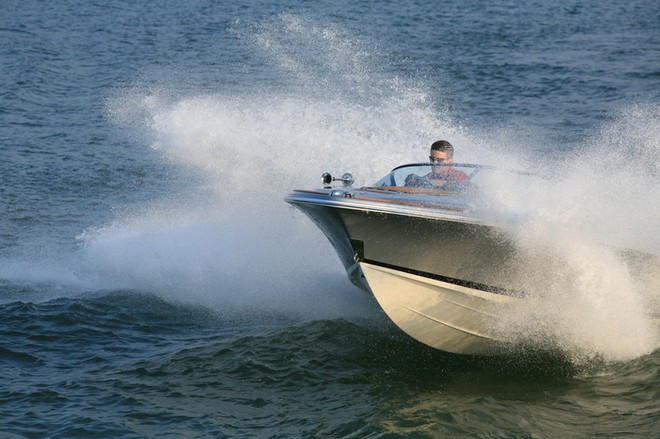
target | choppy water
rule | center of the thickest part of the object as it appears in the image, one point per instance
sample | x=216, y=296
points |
x=153, y=283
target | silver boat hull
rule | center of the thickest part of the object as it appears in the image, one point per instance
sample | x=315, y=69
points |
x=438, y=278
x=444, y=246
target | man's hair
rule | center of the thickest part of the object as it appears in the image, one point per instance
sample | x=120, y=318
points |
x=443, y=145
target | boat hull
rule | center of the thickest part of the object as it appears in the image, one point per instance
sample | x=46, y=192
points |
x=443, y=315
x=445, y=278
x=439, y=277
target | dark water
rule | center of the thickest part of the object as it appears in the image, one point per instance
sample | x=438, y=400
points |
x=153, y=283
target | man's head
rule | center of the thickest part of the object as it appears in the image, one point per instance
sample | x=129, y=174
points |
x=441, y=152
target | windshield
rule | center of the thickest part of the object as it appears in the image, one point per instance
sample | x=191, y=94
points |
x=443, y=176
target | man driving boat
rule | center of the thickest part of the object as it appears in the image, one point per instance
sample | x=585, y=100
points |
x=441, y=176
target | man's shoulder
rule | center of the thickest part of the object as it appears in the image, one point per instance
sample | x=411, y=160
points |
x=457, y=174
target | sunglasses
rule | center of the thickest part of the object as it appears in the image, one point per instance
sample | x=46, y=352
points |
x=437, y=159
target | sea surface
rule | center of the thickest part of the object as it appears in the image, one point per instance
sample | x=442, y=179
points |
x=154, y=283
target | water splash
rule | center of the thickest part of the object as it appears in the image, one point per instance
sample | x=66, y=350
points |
x=228, y=234
x=585, y=234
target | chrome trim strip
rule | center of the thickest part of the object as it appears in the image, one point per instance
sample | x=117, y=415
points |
x=382, y=207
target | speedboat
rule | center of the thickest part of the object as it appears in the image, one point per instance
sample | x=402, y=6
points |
x=421, y=241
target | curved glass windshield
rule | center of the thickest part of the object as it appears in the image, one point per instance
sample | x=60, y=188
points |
x=442, y=176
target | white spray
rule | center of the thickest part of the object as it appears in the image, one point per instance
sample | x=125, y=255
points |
x=232, y=238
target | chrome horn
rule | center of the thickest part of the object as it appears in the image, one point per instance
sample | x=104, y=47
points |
x=346, y=179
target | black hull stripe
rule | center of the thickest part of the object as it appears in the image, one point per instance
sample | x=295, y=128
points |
x=449, y=280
